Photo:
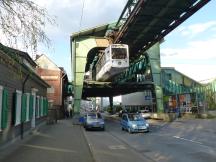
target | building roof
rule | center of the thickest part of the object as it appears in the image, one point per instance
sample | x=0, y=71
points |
x=12, y=52
x=98, y=31
x=53, y=66
x=172, y=68
x=48, y=60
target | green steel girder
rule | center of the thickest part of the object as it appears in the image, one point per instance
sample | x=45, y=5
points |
x=154, y=57
x=170, y=87
x=152, y=61
x=126, y=12
x=138, y=67
x=80, y=49
x=150, y=21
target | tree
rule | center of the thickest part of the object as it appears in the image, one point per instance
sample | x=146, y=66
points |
x=23, y=21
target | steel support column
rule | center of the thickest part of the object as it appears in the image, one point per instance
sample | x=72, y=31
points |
x=80, y=49
x=154, y=57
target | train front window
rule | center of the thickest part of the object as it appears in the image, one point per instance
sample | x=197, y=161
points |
x=119, y=53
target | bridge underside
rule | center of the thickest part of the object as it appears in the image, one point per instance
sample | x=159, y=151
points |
x=150, y=21
x=107, y=89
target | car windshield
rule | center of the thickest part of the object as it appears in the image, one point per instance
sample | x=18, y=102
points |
x=135, y=117
x=94, y=116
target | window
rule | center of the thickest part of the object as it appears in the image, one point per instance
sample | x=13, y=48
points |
x=119, y=53
x=17, y=108
x=51, y=90
x=169, y=76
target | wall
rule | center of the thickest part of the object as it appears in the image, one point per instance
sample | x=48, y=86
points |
x=11, y=78
x=52, y=77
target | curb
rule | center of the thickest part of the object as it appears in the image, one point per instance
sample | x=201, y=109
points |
x=89, y=145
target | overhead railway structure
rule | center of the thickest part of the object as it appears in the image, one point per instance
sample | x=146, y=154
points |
x=142, y=26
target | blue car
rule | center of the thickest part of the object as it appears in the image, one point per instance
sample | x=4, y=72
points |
x=94, y=120
x=134, y=123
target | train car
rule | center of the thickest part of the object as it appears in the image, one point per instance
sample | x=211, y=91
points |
x=114, y=60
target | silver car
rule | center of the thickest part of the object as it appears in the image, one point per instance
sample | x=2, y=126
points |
x=94, y=120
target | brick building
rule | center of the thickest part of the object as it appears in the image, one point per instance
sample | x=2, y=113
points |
x=57, y=78
x=23, y=103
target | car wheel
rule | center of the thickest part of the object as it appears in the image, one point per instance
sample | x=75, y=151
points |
x=129, y=130
x=103, y=129
x=123, y=129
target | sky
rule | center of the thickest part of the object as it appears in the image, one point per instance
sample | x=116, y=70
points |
x=190, y=48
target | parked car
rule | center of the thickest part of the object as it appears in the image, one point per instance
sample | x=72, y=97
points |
x=145, y=114
x=134, y=122
x=94, y=120
x=121, y=112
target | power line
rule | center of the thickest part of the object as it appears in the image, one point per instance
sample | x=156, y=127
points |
x=81, y=17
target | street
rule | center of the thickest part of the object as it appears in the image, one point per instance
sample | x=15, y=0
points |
x=168, y=142
x=184, y=140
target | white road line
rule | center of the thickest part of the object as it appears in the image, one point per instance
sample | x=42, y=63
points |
x=201, y=144
x=187, y=140
x=50, y=148
x=117, y=147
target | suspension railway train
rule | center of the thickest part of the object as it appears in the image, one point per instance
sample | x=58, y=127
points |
x=113, y=61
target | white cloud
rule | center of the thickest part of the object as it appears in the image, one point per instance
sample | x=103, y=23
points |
x=68, y=13
x=203, y=49
x=196, y=72
x=195, y=29
x=197, y=59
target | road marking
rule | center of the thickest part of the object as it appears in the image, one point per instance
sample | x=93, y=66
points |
x=117, y=147
x=187, y=140
x=43, y=135
x=50, y=148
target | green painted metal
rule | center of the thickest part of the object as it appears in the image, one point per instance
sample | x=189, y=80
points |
x=154, y=58
x=31, y=104
x=81, y=47
x=4, y=109
x=176, y=84
x=148, y=22
x=126, y=12
x=136, y=68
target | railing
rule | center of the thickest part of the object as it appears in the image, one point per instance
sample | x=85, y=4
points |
x=136, y=71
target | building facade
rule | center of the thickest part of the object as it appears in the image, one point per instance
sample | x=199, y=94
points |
x=23, y=102
x=180, y=92
x=57, y=78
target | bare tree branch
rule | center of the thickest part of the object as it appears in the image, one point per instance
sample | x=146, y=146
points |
x=23, y=20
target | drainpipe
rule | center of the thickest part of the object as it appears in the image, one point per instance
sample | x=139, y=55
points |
x=23, y=91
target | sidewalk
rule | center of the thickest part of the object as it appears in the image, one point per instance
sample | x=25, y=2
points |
x=61, y=142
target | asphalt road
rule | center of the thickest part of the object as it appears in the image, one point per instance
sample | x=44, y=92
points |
x=191, y=141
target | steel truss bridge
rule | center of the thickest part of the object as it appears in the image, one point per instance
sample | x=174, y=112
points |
x=142, y=25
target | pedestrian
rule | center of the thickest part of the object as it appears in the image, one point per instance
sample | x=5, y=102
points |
x=69, y=110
